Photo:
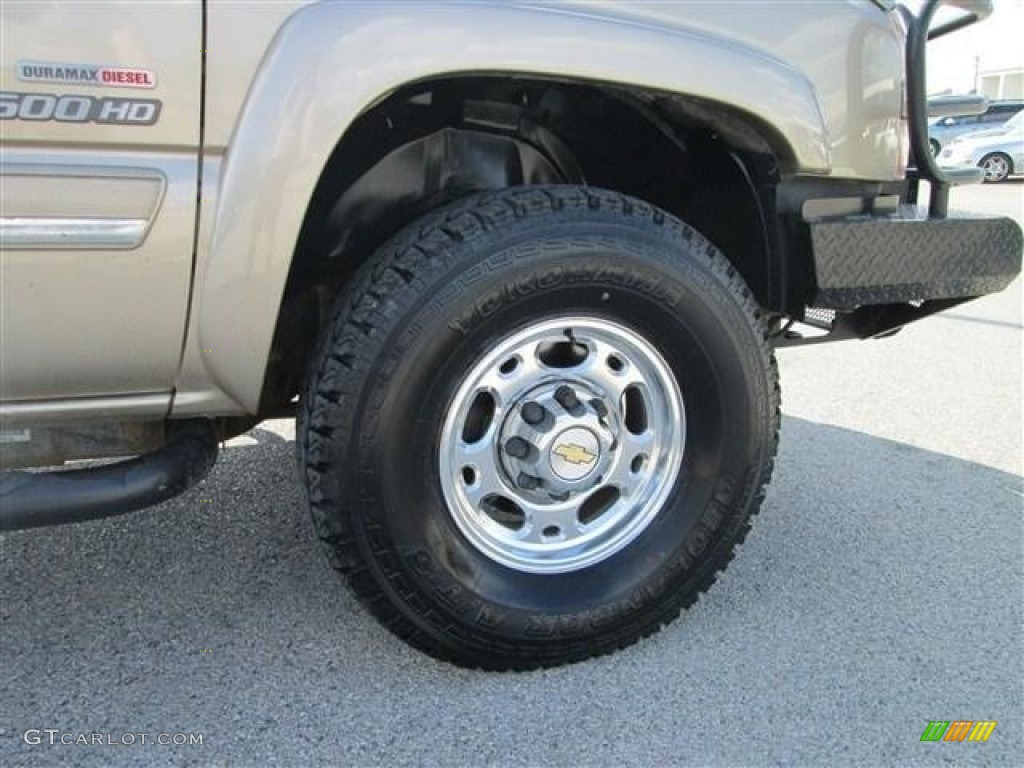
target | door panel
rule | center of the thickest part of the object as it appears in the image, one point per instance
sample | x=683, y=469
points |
x=99, y=136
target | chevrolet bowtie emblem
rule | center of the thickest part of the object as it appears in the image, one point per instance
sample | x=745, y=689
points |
x=574, y=454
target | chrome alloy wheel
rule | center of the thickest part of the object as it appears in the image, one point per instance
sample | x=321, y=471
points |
x=996, y=167
x=562, y=444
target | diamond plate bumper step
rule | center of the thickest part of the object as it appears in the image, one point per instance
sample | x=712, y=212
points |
x=870, y=260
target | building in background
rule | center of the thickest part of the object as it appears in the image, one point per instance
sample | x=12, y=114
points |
x=987, y=58
x=1002, y=83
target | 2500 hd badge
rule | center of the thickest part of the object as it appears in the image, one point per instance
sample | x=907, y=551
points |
x=78, y=109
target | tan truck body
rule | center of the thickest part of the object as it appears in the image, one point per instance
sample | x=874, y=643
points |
x=175, y=313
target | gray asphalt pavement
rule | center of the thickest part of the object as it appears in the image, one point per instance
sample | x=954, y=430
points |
x=880, y=588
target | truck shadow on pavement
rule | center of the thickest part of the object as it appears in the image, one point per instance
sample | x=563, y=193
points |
x=880, y=588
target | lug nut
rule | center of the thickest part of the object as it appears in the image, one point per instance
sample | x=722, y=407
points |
x=533, y=413
x=566, y=397
x=517, y=448
x=599, y=408
x=529, y=482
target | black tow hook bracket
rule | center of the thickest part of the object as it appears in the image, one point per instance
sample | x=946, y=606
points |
x=869, y=322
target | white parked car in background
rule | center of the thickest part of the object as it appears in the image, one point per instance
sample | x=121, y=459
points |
x=999, y=151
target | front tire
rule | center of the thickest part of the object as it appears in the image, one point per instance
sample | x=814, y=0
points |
x=538, y=426
x=997, y=167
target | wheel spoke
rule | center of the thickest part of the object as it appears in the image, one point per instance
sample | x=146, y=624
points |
x=642, y=443
x=480, y=459
x=622, y=477
x=542, y=520
x=597, y=370
x=506, y=378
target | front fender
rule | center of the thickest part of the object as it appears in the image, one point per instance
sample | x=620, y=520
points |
x=330, y=62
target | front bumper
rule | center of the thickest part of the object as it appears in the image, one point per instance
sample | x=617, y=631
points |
x=876, y=272
x=904, y=258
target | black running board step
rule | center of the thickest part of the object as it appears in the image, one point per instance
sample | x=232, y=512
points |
x=33, y=499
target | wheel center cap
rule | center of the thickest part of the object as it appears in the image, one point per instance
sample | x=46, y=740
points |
x=574, y=454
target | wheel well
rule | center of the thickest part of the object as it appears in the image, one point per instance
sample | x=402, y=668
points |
x=435, y=141
x=1003, y=155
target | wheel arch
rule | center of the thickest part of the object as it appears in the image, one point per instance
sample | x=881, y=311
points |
x=722, y=90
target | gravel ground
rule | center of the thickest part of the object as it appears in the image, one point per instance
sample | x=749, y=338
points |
x=880, y=589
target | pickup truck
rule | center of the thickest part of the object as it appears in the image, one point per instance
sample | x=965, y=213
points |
x=517, y=269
